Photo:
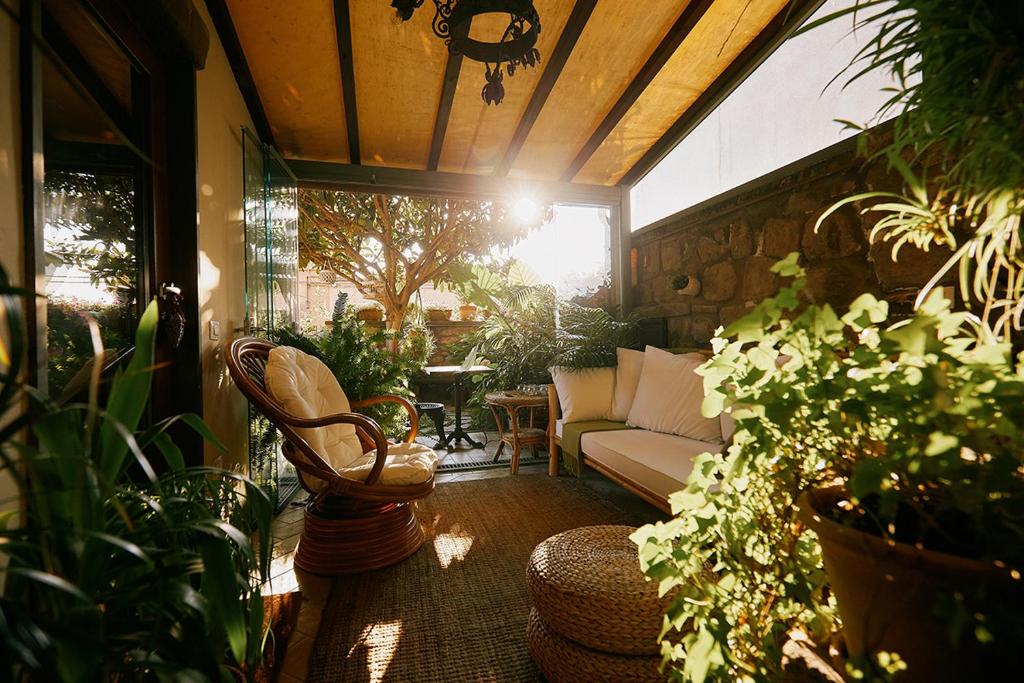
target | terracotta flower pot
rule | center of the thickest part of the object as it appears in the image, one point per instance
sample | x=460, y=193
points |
x=887, y=594
x=467, y=312
x=437, y=315
x=370, y=315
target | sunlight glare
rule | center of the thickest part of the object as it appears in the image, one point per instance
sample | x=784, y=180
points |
x=380, y=641
x=452, y=547
x=525, y=209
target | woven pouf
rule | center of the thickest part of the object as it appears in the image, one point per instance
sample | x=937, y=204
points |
x=563, y=661
x=587, y=587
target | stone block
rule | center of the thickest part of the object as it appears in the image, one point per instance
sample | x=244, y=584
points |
x=839, y=235
x=914, y=268
x=741, y=240
x=671, y=256
x=758, y=280
x=649, y=259
x=840, y=281
x=718, y=282
x=780, y=236
x=802, y=203
x=711, y=251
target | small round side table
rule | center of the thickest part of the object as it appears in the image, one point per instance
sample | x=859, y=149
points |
x=516, y=436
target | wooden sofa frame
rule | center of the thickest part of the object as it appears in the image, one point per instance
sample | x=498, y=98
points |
x=555, y=450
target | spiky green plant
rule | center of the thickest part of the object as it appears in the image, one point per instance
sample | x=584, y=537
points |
x=958, y=102
x=116, y=572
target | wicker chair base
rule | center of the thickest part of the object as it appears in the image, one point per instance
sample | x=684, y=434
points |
x=562, y=660
x=354, y=540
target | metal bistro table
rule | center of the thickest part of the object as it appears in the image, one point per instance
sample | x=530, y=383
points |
x=456, y=375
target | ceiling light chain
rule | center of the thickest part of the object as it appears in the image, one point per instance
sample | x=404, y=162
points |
x=516, y=48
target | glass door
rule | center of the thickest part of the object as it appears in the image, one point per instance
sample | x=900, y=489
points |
x=271, y=286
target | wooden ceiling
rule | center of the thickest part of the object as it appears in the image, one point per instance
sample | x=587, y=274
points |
x=620, y=82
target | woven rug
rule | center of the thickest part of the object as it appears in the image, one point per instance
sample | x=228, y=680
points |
x=457, y=609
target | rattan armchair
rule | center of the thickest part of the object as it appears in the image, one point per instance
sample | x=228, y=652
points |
x=349, y=526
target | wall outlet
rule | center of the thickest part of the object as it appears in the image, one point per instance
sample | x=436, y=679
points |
x=214, y=330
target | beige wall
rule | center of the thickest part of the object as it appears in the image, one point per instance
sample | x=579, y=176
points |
x=10, y=131
x=10, y=190
x=222, y=113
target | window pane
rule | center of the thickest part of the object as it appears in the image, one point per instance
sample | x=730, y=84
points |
x=783, y=112
x=91, y=267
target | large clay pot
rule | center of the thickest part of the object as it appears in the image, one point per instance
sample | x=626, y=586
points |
x=467, y=312
x=887, y=594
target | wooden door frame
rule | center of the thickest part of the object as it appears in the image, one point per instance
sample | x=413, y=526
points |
x=168, y=237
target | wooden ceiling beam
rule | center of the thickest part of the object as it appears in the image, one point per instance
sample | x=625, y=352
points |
x=574, y=26
x=336, y=176
x=225, y=28
x=682, y=27
x=760, y=48
x=343, y=29
x=444, y=109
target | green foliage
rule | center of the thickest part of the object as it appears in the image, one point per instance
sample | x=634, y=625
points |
x=922, y=424
x=389, y=246
x=531, y=330
x=358, y=356
x=959, y=101
x=115, y=571
x=69, y=340
x=99, y=211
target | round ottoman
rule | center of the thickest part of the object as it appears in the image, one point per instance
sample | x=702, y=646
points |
x=593, y=610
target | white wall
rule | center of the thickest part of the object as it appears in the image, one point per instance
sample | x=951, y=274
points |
x=222, y=113
x=783, y=112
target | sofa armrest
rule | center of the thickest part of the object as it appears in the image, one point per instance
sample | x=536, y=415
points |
x=553, y=441
x=554, y=409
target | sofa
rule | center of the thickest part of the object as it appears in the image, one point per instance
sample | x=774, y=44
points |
x=651, y=455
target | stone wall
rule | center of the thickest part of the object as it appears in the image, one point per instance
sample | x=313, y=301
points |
x=729, y=243
x=446, y=335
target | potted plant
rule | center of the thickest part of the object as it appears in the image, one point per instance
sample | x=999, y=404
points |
x=438, y=314
x=467, y=311
x=370, y=312
x=904, y=443
x=116, y=571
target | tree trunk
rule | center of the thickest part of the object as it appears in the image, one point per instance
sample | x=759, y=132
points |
x=394, y=319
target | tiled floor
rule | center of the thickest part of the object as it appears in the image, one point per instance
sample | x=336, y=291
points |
x=315, y=589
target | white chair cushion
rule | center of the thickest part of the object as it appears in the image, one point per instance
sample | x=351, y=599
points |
x=406, y=463
x=303, y=386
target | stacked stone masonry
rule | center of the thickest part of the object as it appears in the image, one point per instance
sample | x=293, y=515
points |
x=731, y=244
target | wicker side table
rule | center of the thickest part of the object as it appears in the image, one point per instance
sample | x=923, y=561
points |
x=516, y=436
x=593, y=610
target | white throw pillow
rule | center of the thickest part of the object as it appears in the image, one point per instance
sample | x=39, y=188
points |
x=303, y=386
x=584, y=394
x=627, y=376
x=669, y=396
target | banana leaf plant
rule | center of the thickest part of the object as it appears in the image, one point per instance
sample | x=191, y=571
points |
x=113, y=571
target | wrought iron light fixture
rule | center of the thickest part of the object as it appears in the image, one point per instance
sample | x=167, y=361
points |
x=515, y=49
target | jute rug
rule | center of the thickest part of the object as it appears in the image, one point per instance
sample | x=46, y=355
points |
x=457, y=609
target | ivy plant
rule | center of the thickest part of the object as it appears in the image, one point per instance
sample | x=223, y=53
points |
x=922, y=423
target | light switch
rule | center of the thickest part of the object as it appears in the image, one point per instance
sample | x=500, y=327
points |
x=214, y=330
